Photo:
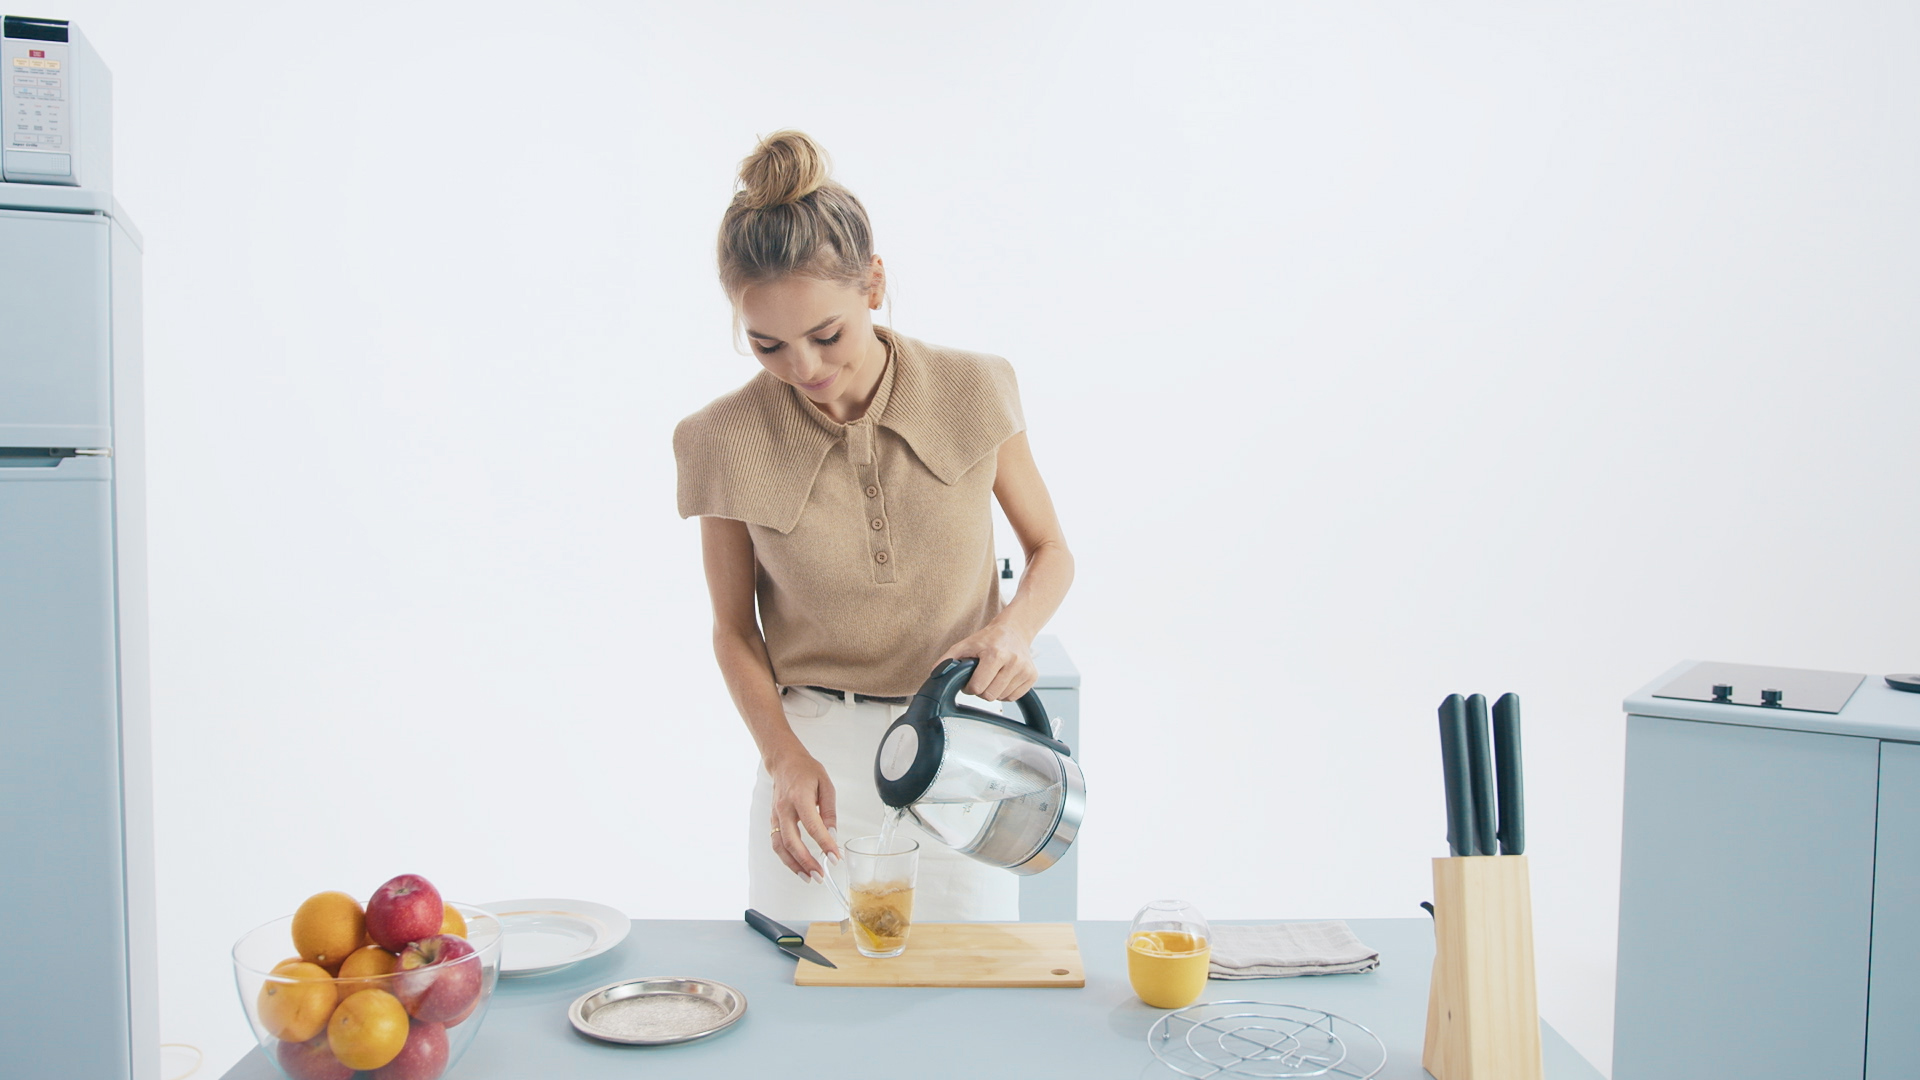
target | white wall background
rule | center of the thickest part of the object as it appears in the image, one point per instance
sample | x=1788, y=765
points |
x=1372, y=351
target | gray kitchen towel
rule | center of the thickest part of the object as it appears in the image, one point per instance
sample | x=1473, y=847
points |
x=1277, y=950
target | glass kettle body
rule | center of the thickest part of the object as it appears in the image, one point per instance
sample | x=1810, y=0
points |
x=1000, y=791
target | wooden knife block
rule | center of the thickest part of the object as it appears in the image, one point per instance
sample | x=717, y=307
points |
x=1483, y=1019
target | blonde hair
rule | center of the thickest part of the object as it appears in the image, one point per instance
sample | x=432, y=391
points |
x=790, y=217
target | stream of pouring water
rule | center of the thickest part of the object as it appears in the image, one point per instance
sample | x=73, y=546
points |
x=888, y=823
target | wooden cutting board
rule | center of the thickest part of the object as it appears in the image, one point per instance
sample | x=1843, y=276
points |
x=952, y=954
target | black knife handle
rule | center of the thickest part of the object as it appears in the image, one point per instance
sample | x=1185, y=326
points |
x=771, y=930
x=1454, y=771
x=1506, y=766
x=1480, y=763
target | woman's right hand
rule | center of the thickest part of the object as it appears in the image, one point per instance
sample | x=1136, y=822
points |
x=802, y=800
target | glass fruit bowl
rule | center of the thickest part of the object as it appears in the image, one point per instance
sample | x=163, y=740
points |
x=415, y=1025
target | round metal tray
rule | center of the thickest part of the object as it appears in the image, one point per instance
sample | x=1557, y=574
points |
x=657, y=1011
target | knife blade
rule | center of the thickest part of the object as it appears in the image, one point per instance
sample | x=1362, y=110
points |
x=1455, y=773
x=790, y=943
x=1506, y=767
x=1480, y=763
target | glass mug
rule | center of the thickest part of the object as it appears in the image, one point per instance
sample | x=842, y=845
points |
x=879, y=893
x=1168, y=948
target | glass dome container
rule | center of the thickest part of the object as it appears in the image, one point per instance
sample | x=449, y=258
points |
x=1168, y=948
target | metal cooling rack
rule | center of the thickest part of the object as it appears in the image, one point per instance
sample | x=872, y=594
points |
x=1260, y=1040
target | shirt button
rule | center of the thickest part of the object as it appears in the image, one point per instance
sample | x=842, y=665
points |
x=872, y=492
x=879, y=556
x=878, y=524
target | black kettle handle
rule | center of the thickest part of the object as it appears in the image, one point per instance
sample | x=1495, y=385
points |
x=951, y=677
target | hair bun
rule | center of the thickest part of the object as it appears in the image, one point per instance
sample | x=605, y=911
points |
x=786, y=167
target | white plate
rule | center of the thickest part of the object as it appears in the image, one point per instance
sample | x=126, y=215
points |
x=546, y=935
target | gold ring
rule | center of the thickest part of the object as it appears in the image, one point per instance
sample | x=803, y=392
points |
x=776, y=830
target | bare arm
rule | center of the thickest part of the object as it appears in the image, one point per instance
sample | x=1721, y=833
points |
x=1005, y=645
x=803, y=796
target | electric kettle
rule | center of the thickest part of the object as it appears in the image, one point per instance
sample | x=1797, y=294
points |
x=996, y=790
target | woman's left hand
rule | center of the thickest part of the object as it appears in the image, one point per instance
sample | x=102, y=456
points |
x=1006, y=670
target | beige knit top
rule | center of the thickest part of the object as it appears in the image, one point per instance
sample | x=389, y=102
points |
x=873, y=540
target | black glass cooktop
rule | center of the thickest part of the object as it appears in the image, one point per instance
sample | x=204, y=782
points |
x=1764, y=687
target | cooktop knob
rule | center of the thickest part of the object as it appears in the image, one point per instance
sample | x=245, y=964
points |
x=1770, y=698
x=1723, y=693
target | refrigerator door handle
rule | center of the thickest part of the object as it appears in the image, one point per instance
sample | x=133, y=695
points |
x=45, y=457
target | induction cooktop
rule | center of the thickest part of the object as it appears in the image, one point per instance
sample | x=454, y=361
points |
x=1764, y=687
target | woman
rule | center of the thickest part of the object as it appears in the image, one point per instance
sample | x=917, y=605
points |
x=844, y=490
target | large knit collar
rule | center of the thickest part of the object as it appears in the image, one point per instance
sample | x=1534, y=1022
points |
x=765, y=442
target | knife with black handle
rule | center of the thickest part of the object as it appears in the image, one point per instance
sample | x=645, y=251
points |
x=1454, y=770
x=1506, y=768
x=1480, y=765
x=790, y=943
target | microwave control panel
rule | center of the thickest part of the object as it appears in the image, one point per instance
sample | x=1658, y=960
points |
x=37, y=67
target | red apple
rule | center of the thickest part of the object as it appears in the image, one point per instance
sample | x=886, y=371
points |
x=468, y=1011
x=311, y=1060
x=439, y=978
x=405, y=909
x=424, y=1057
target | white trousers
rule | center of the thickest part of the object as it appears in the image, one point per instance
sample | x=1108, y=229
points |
x=844, y=736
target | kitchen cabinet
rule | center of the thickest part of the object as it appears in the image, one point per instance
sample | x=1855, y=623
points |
x=1893, y=1005
x=1769, y=873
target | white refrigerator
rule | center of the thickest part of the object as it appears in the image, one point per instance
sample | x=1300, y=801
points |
x=78, y=986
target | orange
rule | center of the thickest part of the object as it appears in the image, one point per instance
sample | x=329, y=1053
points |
x=452, y=922
x=368, y=1029
x=297, y=1011
x=328, y=927
x=371, y=960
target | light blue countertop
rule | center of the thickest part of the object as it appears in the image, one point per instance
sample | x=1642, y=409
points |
x=856, y=1033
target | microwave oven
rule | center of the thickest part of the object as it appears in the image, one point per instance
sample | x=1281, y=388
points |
x=57, y=105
